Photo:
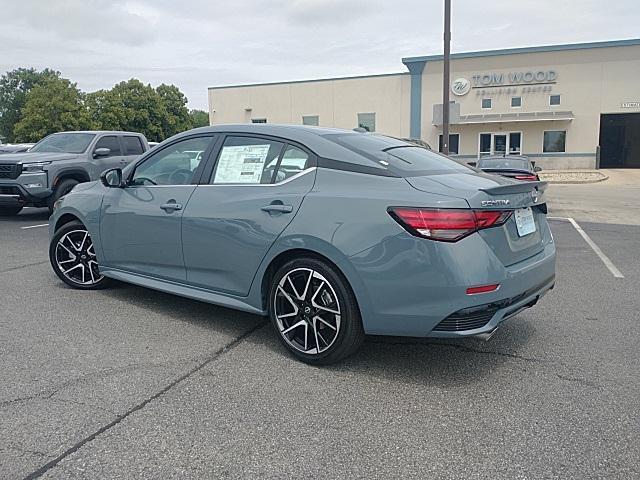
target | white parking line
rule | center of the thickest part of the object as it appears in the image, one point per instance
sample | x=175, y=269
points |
x=607, y=263
x=35, y=226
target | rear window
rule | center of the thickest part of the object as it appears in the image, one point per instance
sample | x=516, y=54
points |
x=132, y=145
x=397, y=156
x=505, y=162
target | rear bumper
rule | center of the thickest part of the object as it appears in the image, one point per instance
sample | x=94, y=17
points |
x=484, y=319
x=418, y=287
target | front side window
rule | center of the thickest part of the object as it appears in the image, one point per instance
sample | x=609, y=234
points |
x=367, y=121
x=132, y=145
x=554, y=100
x=313, y=120
x=111, y=142
x=454, y=143
x=554, y=141
x=64, y=142
x=173, y=165
x=486, y=103
x=247, y=160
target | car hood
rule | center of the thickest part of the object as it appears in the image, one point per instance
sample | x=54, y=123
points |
x=479, y=188
x=31, y=157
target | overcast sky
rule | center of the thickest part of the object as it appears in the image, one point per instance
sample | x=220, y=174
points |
x=199, y=43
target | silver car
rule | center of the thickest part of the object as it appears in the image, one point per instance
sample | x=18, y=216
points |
x=333, y=234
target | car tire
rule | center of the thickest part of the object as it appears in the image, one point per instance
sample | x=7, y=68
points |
x=61, y=190
x=314, y=311
x=9, y=211
x=73, y=258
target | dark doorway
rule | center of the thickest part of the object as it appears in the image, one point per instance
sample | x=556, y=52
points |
x=620, y=140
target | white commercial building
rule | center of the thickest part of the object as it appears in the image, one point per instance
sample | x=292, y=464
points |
x=564, y=106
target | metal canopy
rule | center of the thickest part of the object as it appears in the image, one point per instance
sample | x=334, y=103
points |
x=514, y=117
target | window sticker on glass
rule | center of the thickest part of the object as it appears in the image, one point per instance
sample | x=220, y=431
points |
x=241, y=163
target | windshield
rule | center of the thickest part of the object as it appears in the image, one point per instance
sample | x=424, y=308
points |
x=64, y=142
x=398, y=156
x=505, y=162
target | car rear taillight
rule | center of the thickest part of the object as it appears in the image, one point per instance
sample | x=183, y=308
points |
x=529, y=178
x=446, y=225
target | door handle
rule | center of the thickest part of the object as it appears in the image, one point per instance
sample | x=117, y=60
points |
x=277, y=208
x=171, y=207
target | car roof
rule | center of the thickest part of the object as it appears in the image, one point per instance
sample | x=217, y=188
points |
x=314, y=138
x=111, y=132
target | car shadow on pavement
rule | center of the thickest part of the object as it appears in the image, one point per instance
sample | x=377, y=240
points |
x=425, y=361
x=439, y=362
x=28, y=215
x=195, y=312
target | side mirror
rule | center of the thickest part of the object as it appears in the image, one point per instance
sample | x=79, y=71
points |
x=472, y=164
x=101, y=152
x=112, y=178
x=537, y=169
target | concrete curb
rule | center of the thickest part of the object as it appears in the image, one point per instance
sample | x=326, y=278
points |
x=575, y=181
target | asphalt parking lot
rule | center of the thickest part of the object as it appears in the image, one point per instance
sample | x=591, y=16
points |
x=132, y=383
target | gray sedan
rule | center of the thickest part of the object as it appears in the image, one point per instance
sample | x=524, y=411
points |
x=333, y=234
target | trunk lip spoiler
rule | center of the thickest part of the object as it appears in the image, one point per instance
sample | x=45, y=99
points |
x=515, y=188
x=508, y=170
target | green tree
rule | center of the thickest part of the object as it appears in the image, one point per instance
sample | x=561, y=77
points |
x=130, y=106
x=14, y=87
x=177, y=117
x=52, y=105
x=199, y=118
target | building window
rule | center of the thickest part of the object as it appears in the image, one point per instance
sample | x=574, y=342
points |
x=554, y=141
x=500, y=143
x=516, y=102
x=367, y=121
x=485, y=144
x=311, y=120
x=454, y=143
x=554, y=100
x=486, y=103
x=515, y=142
x=258, y=120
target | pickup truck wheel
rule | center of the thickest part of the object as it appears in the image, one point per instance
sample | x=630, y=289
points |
x=62, y=189
x=9, y=211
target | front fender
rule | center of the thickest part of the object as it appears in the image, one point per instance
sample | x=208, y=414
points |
x=85, y=205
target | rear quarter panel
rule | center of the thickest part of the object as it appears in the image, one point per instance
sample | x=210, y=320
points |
x=345, y=214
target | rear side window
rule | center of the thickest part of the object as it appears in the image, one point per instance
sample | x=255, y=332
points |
x=293, y=162
x=111, y=142
x=247, y=160
x=132, y=145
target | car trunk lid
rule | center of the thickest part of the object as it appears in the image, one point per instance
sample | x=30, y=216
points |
x=490, y=192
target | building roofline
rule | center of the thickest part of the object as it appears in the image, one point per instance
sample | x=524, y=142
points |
x=539, y=49
x=354, y=77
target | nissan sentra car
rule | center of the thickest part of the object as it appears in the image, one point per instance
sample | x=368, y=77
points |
x=333, y=234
